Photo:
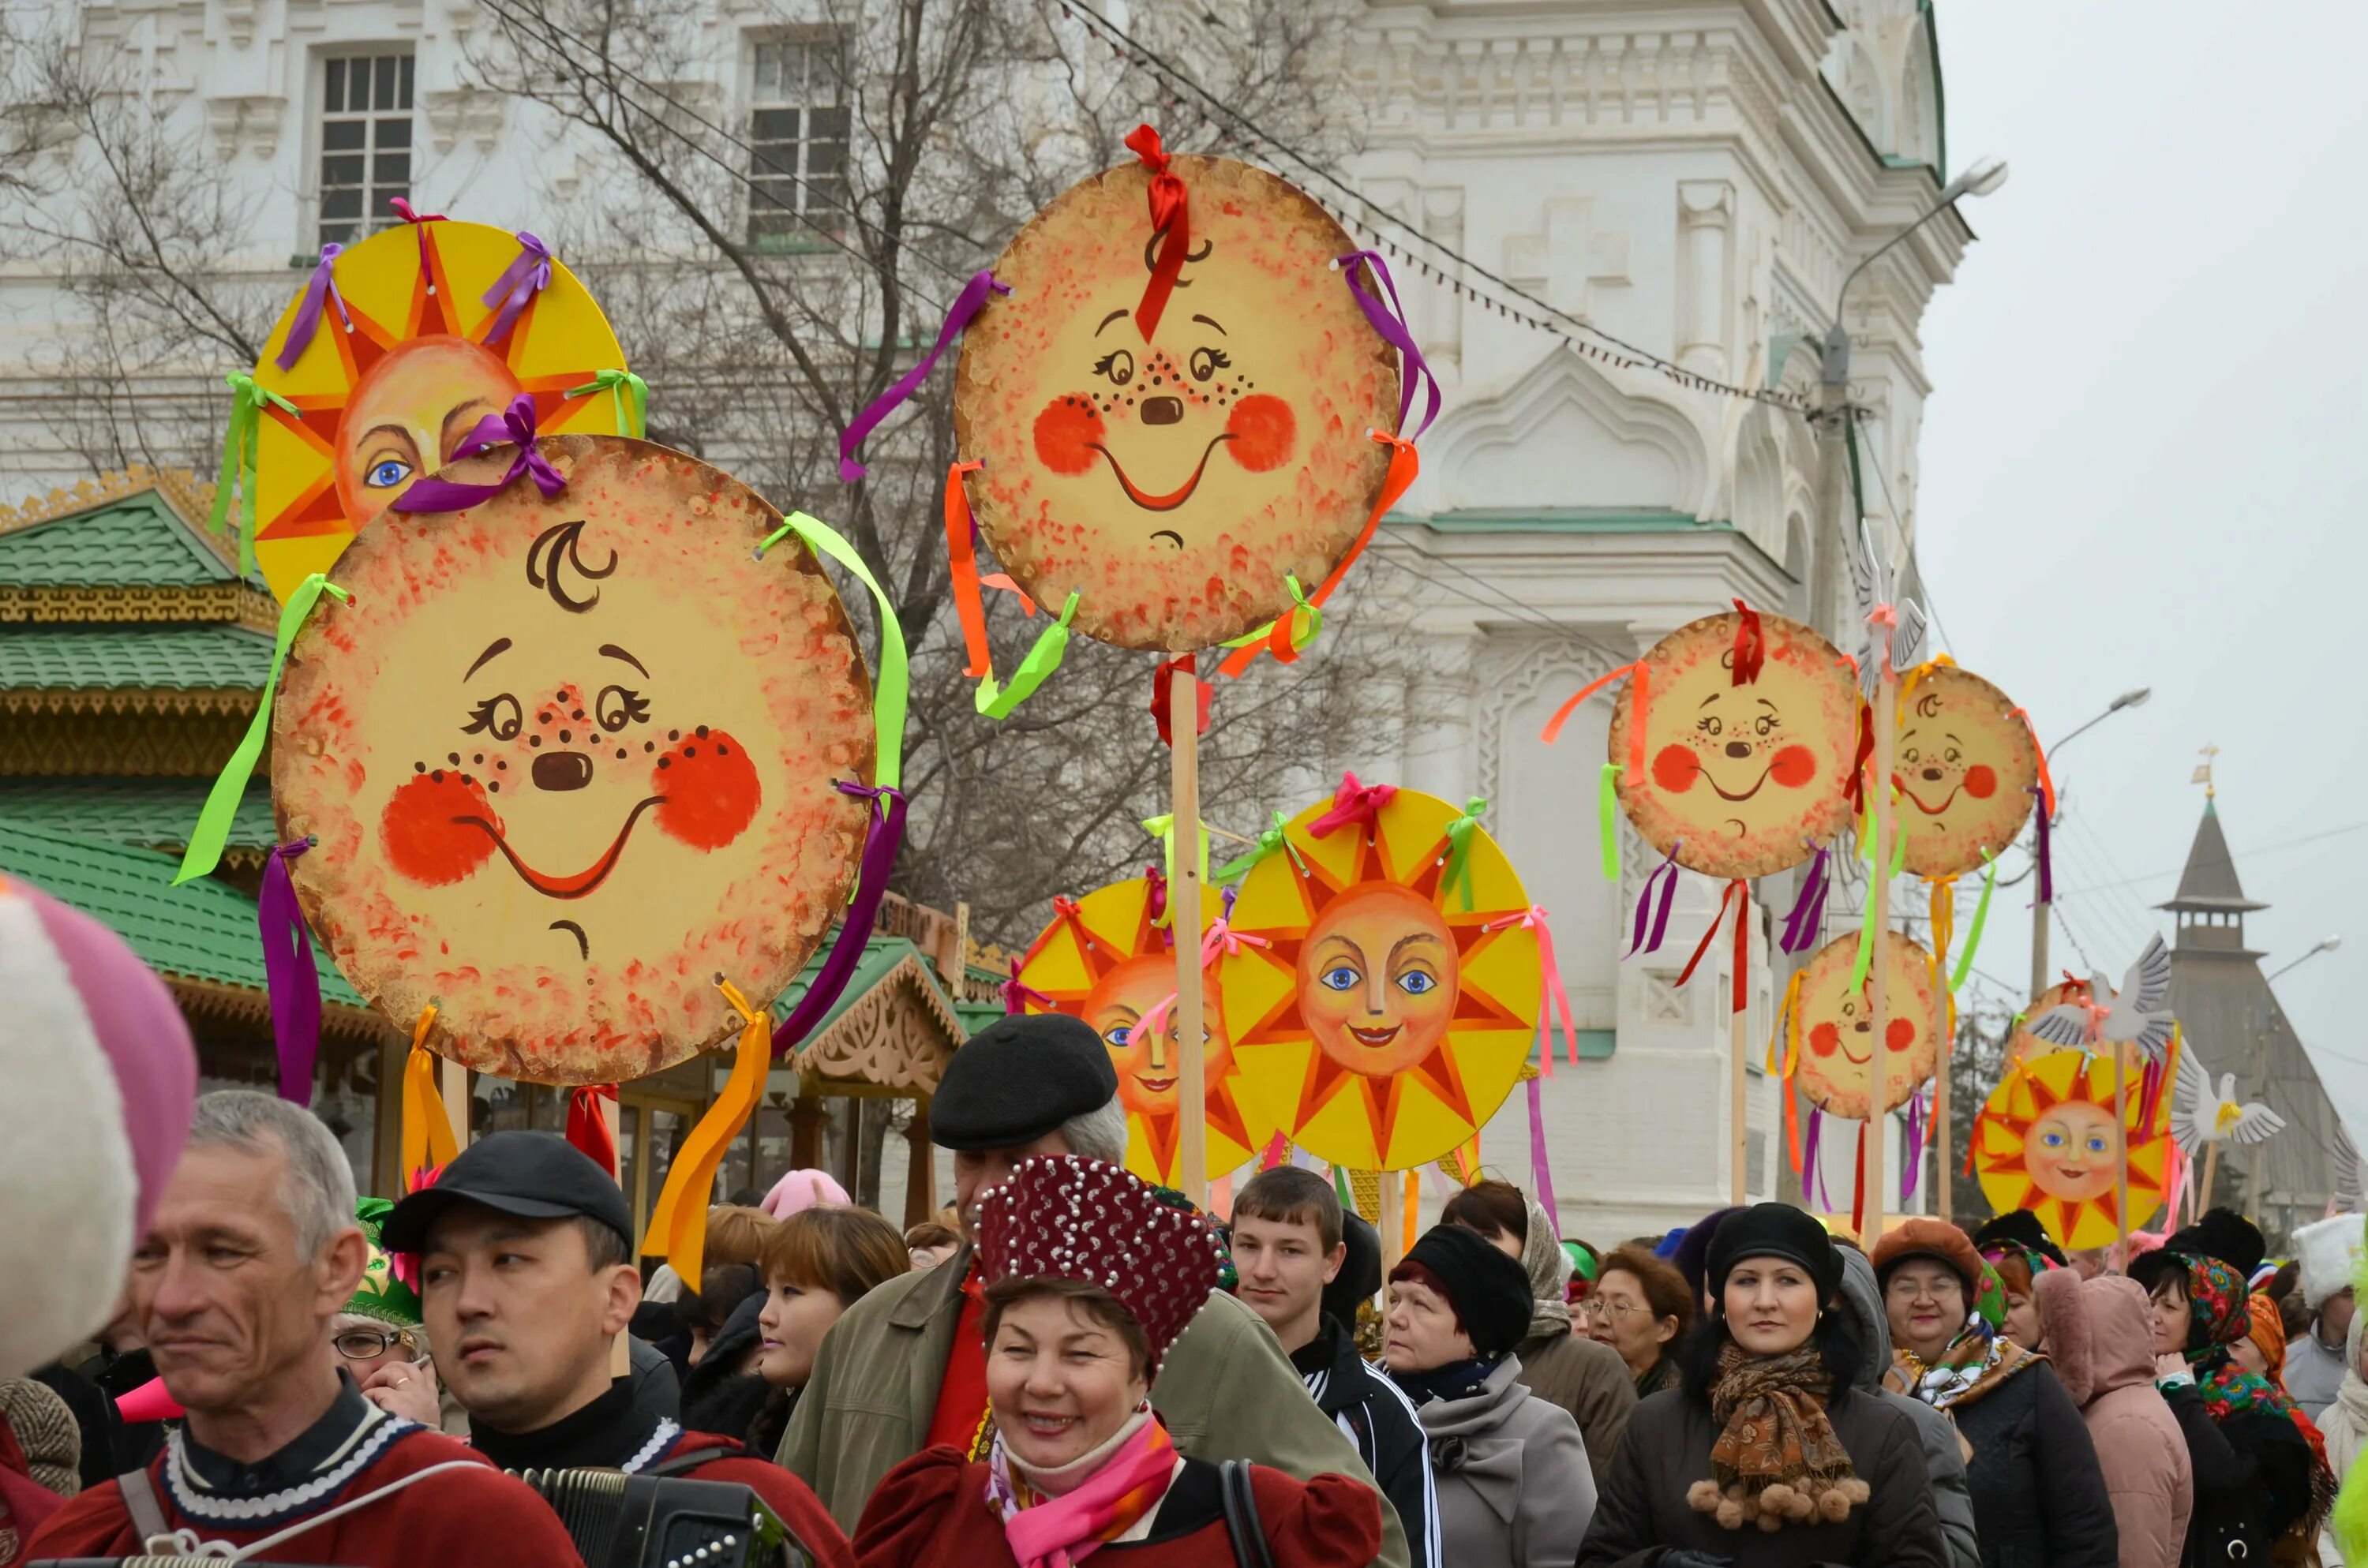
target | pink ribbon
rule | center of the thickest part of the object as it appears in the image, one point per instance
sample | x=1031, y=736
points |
x=1224, y=942
x=1278, y=1150
x=966, y=305
x=1016, y=994
x=1352, y=802
x=526, y=277
x=319, y=287
x=1534, y=918
x=514, y=423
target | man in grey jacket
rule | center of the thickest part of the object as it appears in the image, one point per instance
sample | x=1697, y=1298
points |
x=906, y=1366
x=1944, y=1453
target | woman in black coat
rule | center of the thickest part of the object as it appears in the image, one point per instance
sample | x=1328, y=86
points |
x=1763, y=1457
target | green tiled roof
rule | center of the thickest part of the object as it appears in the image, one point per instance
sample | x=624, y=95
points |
x=204, y=930
x=86, y=658
x=147, y=814
x=136, y=541
x=881, y=955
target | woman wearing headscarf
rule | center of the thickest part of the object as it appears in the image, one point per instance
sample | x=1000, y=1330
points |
x=1510, y=1470
x=2257, y=1475
x=2100, y=1338
x=1765, y=1457
x=2032, y=1470
x=1089, y=1278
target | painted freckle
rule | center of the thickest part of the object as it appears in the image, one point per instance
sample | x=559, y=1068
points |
x=418, y=767
x=479, y=757
x=649, y=745
x=673, y=735
x=665, y=762
x=700, y=731
x=501, y=764
x=534, y=740
x=453, y=757
x=620, y=753
x=691, y=751
x=437, y=775
x=577, y=714
x=566, y=736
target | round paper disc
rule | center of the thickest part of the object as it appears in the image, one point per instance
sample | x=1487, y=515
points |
x=1740, y=781
x=1103, y=961
x=568, y=760
x=1963, y=765
x=1836, y=1033
x=1383, y=1021
x=388, y=402
x=1175, y=480
x=2046, y=1140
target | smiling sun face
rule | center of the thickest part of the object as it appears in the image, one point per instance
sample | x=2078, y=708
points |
x=1832, y=1028
x=568, y=759
x=1963, y=765
x=1175, y=477
x=1741, y=779
x=2046, y=1140
x=1103, y=961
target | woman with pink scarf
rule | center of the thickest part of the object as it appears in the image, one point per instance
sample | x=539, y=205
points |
x=1090, y=1276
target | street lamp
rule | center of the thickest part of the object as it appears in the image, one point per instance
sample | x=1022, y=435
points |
x=1980, y=178
x=2324, y=945
x=2040, y=920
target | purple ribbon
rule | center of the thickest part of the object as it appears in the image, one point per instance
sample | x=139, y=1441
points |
x=289, y=977
x=321, y=286
x=1807, y=920
x=525, y=278
x=1539, y=1173
x=513, y=425
x=1912, y=1166
x=966, y=305
x=1665, y=875
x=1815, y=1187
x=2046, y=861
x=880, y=838
x=1389, y=320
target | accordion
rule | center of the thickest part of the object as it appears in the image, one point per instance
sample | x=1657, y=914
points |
x=644, y=1521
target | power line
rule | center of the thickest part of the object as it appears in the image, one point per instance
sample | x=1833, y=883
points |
x=2258, y=850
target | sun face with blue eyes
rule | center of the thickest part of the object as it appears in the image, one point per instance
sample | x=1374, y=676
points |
x=1145, y=1060
x=2071, y=1150
x=1378, y=976
x=409, y=412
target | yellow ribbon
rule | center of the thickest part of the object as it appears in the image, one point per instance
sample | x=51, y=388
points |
x=678, y=1229
x=428, y=1140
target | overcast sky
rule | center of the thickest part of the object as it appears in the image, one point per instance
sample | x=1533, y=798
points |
x=2144, y=462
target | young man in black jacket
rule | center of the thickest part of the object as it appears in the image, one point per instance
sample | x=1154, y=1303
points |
x=1287, y=1247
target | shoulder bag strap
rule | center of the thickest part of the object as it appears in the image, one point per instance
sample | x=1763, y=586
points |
x=140, y=1502
x=1242, y=1515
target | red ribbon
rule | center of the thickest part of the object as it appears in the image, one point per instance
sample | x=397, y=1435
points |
x=962, y=552
x=1352, y=802
x=1156, y=899
x=1859, y=758
x=587, y=1129
x=1171, y=226
x=1404, y=466
x=1017, y=994
x=1751, y=644
x=1162, y=679
x=1703, y=947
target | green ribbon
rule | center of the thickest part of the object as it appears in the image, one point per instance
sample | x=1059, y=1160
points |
x=1269, y=842
x=1458, y=875
x=241, y=444
x=212, y=830
x=1341, y=1186
x=1607, y=817
x=1303, y=611
x=1866, y=958
x=1163, y=828
x=894, y=688
x=1973, y=933
x=996, y=700
x=630, y=394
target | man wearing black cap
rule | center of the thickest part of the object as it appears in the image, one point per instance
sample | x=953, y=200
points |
x=525, y=1251
x=905, y=1368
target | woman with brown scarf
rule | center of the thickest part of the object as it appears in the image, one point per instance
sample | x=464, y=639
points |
x=1768, y=1458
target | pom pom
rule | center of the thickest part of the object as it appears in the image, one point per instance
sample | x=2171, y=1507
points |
x=1778, y=1498
x=1730, y=1514
x=1702, y=1496
x=1833, y=1505
x=1771, y=1523
x=1856, y=1490
x=1803, y=1505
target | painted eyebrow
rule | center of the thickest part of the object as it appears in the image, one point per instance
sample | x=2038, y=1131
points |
x=1706, y=701
x=1403, y=942
x=611, y=651
x=1117, y=316
x=1211, y=321
x=445, y=430
x=397, y=431
x=498, y=645
x=1765, y=703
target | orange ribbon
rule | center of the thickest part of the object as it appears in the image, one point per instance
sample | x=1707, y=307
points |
x=1562, y=714
x=1404, y=464
x=677, y=1231
x=2046, y=784
x=1171, y=226
x=962, y=556
x=428, y=1140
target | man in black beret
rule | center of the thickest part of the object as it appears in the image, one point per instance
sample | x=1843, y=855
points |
x=905, y=1368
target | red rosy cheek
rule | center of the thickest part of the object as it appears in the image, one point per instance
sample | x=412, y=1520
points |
x=1825, y=1040
x=1794, y=766
x=1899, y=1034
x=1067, y=431
x=1263, y=431
x=426, y=842
x=1676, y=768
x=1981, y=783
x=711, y=790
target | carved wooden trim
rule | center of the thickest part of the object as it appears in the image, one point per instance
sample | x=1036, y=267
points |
x=897, y=1036
x=181, y=489
x=233, y=602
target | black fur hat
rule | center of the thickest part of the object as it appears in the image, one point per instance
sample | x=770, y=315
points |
x=2019, y=1228
x=2223, y=1234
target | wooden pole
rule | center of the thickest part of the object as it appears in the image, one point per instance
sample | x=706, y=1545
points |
x=1184, y=919
x=453, y=1085
x=1738, y=1047
x=1878, y=784
x=1392, y=1225
x=2211, y=1169
x=2122, y=1161
x=1943, y=1043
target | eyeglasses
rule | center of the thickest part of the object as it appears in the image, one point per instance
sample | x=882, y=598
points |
x=361, y=1344
x=1597, y=1307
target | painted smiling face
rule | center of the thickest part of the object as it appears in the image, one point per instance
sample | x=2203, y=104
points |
x=1377, y=978
x=1741, y=779
x=407, y=414
x=1176, y=477
x=1146, y=1060
x=1963, y=766
x=1834, y=1026
x=2072, y=1149
x=568, y=759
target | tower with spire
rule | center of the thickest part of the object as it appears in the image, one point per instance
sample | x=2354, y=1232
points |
x=2230, y=1018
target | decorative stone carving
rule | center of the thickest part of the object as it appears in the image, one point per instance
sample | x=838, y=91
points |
x=238, y=22
x=1705, y=236
x=1567, y=257
x=1665, y=1002
x=252, y=120
x=455, y=112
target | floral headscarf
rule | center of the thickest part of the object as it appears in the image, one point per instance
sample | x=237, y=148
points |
x=2219, y=1314
x=1974, y=1355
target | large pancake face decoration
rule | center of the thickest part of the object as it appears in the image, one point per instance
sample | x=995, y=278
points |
x=1103, y=960
x=1175, y=480
x=1375, y=1015
x=1835, y=1026
x=387, y=402
x=2022, y=1045
x=1741, y=779
x=2046, y=1140
x=569, y=759
x=1963, y=765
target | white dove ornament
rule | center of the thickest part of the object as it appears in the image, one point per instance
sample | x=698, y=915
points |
x=2209, y=1115
x=2135, y=1015
x=1873, y=586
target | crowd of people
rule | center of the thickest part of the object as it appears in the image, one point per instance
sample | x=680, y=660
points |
x=1072, y=1361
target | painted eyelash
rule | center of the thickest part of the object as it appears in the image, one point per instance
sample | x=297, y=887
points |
x=481, y=718
x=1102, y=368
x=1218, y=358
